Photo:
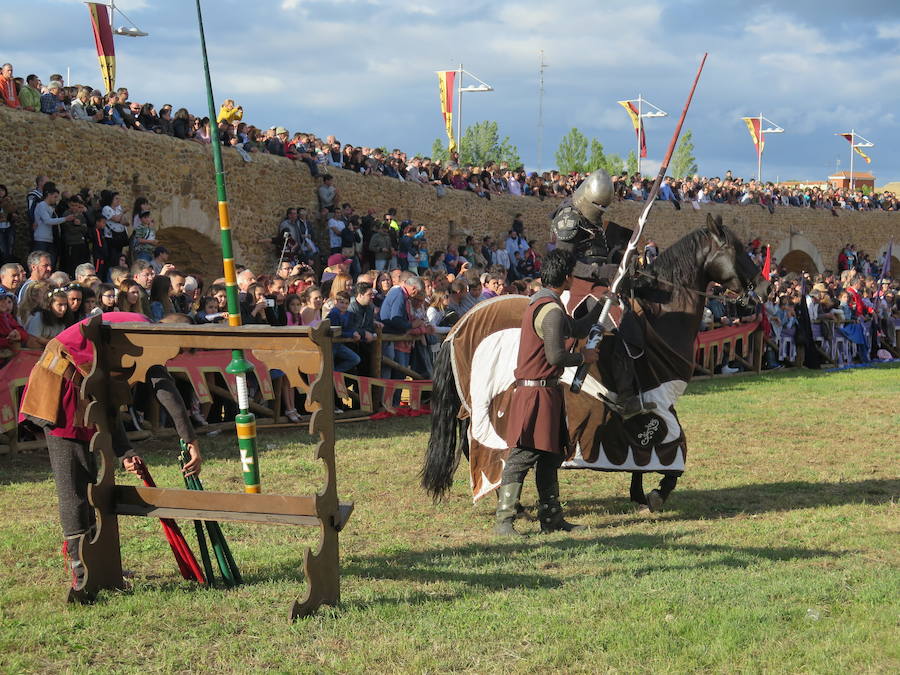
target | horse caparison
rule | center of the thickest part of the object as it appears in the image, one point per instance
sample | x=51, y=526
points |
x=671, y=298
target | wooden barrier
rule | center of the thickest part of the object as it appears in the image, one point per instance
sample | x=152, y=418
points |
x=122, y=354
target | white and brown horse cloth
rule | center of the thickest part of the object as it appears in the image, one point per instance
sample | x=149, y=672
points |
x=484, y=346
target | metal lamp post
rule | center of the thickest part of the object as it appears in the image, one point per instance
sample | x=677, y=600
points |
x=481, y=87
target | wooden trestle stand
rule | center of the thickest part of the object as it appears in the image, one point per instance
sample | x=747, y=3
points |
x=122, y=354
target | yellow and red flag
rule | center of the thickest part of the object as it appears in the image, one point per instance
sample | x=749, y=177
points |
x=637, y=123
x=446, y=78
x=103, y=37
x=859, y=151
x=754, y=126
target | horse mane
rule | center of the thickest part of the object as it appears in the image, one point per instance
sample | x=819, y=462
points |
x=678, y=263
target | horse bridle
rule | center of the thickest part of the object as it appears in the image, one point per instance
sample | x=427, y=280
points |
x=749, y=292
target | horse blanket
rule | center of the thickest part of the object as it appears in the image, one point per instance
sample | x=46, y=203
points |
x=484, y=345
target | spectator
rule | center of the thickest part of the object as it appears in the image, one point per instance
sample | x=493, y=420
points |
x=12, y=334
x=143, y=241
x=8, y=218
x=74, y=236
x=311, y=314
x=229, y=113
x=397, y=317
x=345, y=359
x=11, y=279
x=40, y=268
x=293, y=308
x=45, y=221
x=52, y=102
x=115, y=231
x=328, y=193
x=75, y=297
x=160, y=258
x=362, y=311
x=106, y=293
x=52, y=319
x=160, y=298
x=493, y=286
x=82, y=272
x=130, y=297
x=8, y=92
x=30, y=94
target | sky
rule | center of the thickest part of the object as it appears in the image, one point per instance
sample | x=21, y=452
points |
x=363, y=70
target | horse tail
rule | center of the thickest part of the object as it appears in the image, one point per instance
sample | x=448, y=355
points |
x=442, y=454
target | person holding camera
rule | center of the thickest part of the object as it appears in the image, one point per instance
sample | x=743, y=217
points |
x=229, y=113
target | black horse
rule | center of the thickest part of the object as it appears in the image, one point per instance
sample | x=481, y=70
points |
x=473, y=374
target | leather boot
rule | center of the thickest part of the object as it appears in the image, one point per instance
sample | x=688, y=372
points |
x=550, y=513
x=508, y=497
x=629, y=400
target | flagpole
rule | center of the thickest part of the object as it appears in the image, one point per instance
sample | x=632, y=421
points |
x=759, y=146
x=245, y=422
x=852, y=136
x=459, y=75
x=639, y=129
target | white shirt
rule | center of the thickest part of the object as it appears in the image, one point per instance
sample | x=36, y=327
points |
x=335, y=227
x=514, y=187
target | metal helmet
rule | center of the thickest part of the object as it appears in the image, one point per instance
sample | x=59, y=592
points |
x=593, y=196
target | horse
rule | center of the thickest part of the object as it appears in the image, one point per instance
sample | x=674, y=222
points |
x=473, y=375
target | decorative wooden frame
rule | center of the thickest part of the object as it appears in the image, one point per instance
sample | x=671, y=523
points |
x=122, y=355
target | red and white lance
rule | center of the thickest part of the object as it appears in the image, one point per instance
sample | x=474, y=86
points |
x=596, y=334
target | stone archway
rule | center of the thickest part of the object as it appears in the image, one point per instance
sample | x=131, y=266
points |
x=192, y=252
x=798, y=254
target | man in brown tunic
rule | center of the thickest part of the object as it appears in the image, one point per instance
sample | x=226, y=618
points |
x=536, y=430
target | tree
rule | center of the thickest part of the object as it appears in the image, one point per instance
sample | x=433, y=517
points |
x=571, y=155
x=683, y=161
x=612, y=164
x=481, y=144
x=631, y=163
x=439, y=151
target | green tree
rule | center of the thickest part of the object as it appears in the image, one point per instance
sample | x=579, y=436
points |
x=439, y=151
x=571, y=155
x=631, y=163
x=481, y=144
x=612, y=164
x=683, y=161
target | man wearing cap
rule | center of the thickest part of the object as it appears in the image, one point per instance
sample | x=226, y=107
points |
x=51, y=102
x=275, y=144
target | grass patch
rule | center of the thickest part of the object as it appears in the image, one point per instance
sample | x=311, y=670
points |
x=778, y=552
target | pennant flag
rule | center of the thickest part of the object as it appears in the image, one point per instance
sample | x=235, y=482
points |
x=103, y=37
x=754, y=126
x=767, y=265
x=886, y=267
x=859, y=151
x=637, y=123
x=446, y=78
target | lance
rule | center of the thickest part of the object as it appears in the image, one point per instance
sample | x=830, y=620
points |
x=596, y=334
x=245, y=422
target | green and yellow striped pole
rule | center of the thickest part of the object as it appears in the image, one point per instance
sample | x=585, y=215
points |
x=239, y=366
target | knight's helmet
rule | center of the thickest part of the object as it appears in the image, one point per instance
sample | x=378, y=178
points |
x=593, y=196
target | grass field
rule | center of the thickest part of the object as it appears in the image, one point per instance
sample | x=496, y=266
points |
x=777, y=552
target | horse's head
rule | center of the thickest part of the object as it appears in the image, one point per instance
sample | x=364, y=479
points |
x=727, y=262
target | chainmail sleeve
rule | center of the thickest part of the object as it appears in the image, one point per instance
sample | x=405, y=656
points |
x=554, y=330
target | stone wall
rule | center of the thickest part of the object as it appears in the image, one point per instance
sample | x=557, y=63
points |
x=177, y=177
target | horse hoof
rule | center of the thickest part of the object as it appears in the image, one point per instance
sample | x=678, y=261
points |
x=655, y=501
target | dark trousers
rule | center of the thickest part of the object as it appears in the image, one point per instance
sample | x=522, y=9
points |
x=545, y=465
x=73, y=469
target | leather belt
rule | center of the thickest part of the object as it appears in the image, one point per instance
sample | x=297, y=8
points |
x=549, y=382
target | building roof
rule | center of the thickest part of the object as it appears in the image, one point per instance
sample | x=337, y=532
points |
x=856, y=174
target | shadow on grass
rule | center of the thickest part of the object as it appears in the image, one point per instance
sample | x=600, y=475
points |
x=753, y=498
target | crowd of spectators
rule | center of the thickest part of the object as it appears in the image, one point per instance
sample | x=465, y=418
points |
x=371, y=275
x=116, y=109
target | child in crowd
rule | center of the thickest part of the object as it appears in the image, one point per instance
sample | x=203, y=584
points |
x=53, y=318
x=89, y=302
x=311, y=314
x=75, y=296
x=12, y=334
x=106, y=293
x=293, y=308
x=160, y=298
x=131, y=297
x=345, y=359
x=209, y=311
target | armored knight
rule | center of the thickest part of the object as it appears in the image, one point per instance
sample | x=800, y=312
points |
x=598, y=248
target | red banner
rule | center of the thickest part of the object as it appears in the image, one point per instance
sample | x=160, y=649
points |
x=103, y=38
x=446, y=78
x=754, y=126
x=637, y=123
